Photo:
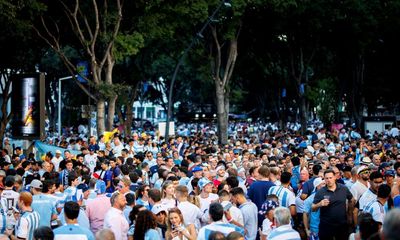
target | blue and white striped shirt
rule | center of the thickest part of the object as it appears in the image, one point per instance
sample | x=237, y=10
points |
x=285, y=196
x=224, y=228
x=27, y=224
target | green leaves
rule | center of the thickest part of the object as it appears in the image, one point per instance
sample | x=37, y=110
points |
x=127, y=45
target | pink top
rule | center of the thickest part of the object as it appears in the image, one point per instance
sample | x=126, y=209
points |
x=96, y=210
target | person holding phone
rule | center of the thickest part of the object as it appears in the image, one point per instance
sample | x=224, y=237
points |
x=176, y=229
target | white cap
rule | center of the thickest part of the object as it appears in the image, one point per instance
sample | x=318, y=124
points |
x=318, y=182
x=58, y=151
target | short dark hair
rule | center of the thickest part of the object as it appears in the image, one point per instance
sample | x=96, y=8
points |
x=375, y=175
x=216, y=211
x=329, y=171
x=384, y=191
x=155, y=195
x=237, y=191
x=71, y=210
x=130, y=199
x=285, y=177
x=316, y=168
x=232, y=181
x=43, y=233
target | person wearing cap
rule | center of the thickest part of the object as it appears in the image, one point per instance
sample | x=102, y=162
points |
x=389, y=177
x=267, y=209
x=249, y=211
x=159, y=209
x=56, y=160
x=71, y=227
x=206, y=196
x=42, y=204
x=90, y=160
x=93, y=211
x=197, y=172
x=221, y=176
x=362, y=183
x=115, y=219
x=310, y=218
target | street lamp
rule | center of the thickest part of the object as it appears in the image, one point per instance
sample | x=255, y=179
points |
x=199, y=34
x=59, y=102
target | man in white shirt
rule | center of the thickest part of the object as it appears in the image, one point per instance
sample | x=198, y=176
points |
x=91, y=159
x=191, y=213
x=206, y=197
x=362, y=184
x=56, y=160
x=118, y=146
x=225, y=200
x=115, y=219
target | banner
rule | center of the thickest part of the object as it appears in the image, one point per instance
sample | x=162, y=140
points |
x=43, y=148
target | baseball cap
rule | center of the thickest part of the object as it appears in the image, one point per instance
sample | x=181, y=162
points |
x=92, y=148
x=390, y=172
x=36, y=184
x=100, y=187
x=196, y=169
x=58, y=151
x=2, y=173
x=362, y=169
x=219, y=168
x=317, y=182
x=384, y=164
x=156, y=209
x=268, y=206
x=203, y=182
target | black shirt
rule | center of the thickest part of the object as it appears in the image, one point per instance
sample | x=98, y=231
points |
x=335, y=213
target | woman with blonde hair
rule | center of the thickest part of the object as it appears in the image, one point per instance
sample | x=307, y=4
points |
x=176, y=230
x=168, y=195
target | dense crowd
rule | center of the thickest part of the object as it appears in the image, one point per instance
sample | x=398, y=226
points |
x=266, y=183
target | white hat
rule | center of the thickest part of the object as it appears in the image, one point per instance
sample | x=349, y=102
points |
x=58, y=151
x=361, y=169
x=156, y=209
x=318, y=182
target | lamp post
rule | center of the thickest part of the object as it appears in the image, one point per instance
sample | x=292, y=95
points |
x=180, y=62
x=59, y=102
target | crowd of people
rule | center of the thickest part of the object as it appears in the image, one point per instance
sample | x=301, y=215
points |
x=265, y=183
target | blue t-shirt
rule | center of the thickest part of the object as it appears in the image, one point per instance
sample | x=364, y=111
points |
x=313, y=216
x=258, y=194
x=44, y=205
x=73, y=231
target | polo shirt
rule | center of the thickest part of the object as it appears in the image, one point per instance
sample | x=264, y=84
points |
x=333, y=215
x=74, y=231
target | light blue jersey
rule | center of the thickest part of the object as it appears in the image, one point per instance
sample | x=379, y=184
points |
x=44, y=205
x=224, y=228
x=72, y=231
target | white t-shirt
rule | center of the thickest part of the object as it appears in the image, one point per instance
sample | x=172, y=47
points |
x=191, y=213
x=235, y=213
x=267, y=227
x=90, y=161
x=11, y=198
x=56, y=162
x=205, y=204
x=358, y=189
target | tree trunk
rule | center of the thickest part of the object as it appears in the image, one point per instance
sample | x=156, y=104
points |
x=111, y=112
x=303, y=115
x=222, y=113
x=129, y=119
x=100, y=105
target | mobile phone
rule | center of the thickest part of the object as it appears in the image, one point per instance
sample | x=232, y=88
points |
x=227, y=206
